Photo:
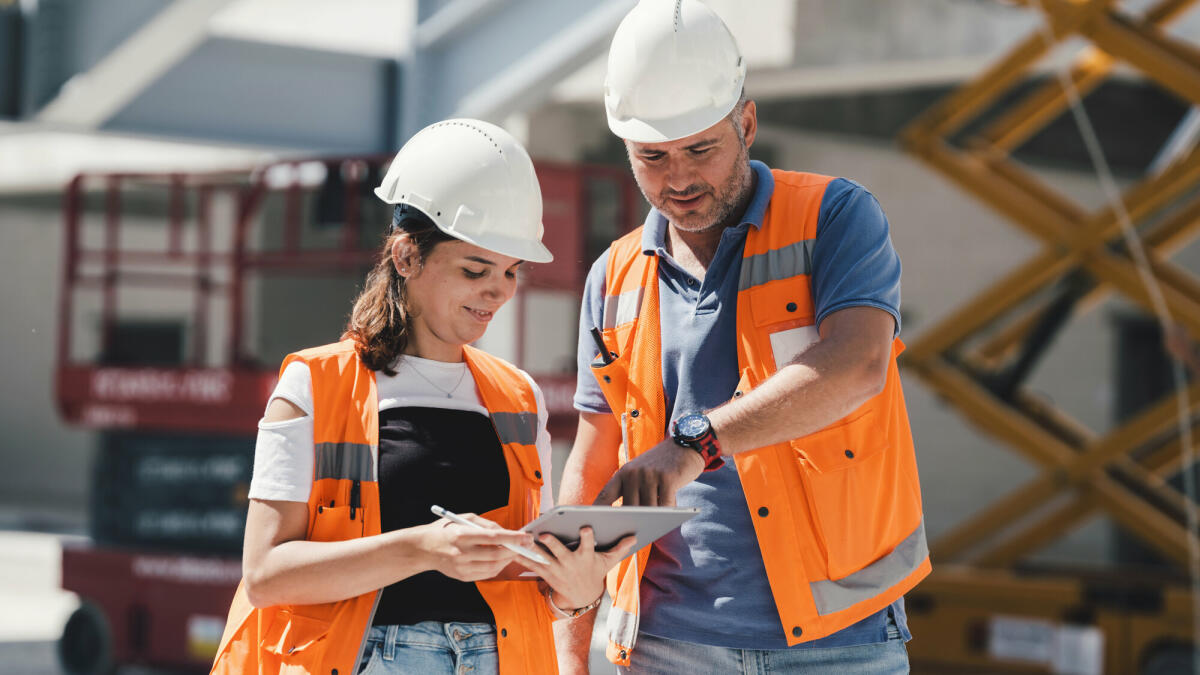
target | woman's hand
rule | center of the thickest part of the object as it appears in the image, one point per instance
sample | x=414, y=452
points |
x=576, y=578
x=468, y=553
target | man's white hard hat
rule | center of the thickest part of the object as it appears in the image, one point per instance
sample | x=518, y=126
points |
x=674, y=69
x=475, y=182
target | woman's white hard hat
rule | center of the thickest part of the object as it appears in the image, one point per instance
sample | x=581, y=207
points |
x=674, y=70
x=475, y=182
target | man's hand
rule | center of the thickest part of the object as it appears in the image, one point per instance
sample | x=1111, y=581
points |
x=653, y=477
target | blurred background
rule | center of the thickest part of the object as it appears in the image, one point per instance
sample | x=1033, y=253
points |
x=185, y=198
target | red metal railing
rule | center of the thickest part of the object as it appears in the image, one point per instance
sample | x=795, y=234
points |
x=226, y=395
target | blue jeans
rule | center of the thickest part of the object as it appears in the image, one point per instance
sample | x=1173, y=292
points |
x=654, y=655
x=431, y=648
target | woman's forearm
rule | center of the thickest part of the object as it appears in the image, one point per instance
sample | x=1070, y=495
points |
x=310, y=572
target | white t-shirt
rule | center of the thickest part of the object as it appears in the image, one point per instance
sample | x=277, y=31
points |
x=283, y=453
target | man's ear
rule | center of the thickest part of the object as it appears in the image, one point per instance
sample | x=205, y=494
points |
x=750, y=122
x=406, y=256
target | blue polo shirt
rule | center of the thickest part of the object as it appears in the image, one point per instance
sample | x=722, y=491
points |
x=709, y=573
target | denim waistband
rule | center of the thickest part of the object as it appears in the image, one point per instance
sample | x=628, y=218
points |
x=459, y=637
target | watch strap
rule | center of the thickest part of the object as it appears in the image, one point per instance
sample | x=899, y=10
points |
x=709, y=451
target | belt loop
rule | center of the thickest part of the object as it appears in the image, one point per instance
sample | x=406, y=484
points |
x=389, y=642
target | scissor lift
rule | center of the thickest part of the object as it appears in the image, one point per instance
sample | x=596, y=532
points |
x=979, y=356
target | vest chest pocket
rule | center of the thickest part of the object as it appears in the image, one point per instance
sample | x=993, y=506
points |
x=298, y=641
x=531, y=475
x=782, y=311
x=850, y=486
x=333, y=523
x=530, y=464
x=613, y=378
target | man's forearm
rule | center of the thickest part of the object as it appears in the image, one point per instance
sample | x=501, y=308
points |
x=822, y=385
x=573, y=640
x=592, y=461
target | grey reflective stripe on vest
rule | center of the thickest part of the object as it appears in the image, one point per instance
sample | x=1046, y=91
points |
x=516, y=427
x=870, y=581
x=349, y=461
x=622, y=626
x=781, y=263
x=622, y=308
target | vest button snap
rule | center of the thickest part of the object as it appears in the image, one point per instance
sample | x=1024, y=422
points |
x=762, y=511
x=791, y=307
x=539, y=473
x=607, y=378
x=796, y=631
x=634, y=413
x=503, y=632
x=737, y=394
x=623, y=655
x=333, y=672
x=850, y=454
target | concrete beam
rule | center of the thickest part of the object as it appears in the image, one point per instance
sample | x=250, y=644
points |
x=462, y=65
x=534, y=76
x=90, y=99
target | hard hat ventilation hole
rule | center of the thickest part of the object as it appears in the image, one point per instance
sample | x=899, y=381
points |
x=483, y=133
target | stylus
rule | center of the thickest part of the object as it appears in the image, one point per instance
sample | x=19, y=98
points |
x=532, y=555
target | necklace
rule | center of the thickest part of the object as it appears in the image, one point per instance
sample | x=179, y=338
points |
x=449, y=393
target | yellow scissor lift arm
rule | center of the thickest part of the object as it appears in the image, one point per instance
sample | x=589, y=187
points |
x=978, y=357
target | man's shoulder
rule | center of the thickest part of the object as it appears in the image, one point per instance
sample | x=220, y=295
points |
x=830, y=193
x=622, y=252
x=802, y=179
x=834, y=185
x=631, y=240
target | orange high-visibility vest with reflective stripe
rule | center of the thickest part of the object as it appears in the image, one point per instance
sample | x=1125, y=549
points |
x=837, y=514
x=329, y=638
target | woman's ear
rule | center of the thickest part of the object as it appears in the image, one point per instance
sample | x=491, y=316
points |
x=406, y=256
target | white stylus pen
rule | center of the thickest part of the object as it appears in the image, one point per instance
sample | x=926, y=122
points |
x=532, y=555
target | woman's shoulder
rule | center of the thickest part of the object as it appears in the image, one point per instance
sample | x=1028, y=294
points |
x=336, y=355
x=495, y=364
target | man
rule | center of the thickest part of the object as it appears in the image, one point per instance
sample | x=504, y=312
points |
x=751, y=324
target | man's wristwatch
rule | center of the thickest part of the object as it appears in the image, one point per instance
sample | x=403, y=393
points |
x=695, y=431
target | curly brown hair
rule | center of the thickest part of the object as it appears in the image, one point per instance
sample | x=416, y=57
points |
x=380, y=321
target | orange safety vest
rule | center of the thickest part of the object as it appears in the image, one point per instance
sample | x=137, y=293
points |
x=329, y=638
x=837, y=513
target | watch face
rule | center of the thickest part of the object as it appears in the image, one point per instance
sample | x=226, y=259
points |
x=692, y=426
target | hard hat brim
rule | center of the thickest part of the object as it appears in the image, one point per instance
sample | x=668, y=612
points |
x=523, y=249
x=673, y=128
x=532, y=251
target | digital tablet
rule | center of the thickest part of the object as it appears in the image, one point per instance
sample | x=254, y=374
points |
x=610, y=523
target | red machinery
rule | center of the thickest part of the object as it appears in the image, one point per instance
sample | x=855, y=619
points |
x=176, y=399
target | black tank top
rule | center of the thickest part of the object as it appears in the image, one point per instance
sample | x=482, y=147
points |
x=436, y=456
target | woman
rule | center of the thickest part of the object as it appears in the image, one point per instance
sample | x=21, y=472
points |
x=362, y=437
